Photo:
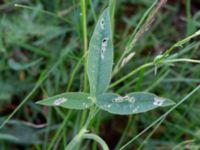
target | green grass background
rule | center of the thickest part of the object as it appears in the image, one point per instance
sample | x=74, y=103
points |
x=42, y=46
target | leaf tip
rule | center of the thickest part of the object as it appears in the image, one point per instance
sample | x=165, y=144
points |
x=39, y=102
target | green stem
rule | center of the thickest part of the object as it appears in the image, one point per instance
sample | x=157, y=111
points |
x=97, y=139
x=78, y=137
x=85, y=40
x=179, y=44
x=131, y=73
x=76, y=140
x=85, y=88
x=152, y=64
x=181, y=60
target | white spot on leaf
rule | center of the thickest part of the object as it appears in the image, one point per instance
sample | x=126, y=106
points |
x=117, y=99
x=102, y=24
x=135, y=109
x=104, y=44
x=85, y=105
x=109, y=105
x=105, y=106
x=131, y=99
x=59, y=101
x=120, y=99
x=158, y=101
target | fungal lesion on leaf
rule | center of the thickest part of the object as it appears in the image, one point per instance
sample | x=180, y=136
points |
x=121, y=99
x=104, y=44
x=60, y=101
x=102, y=23
x=136, y=109
x=158, y=101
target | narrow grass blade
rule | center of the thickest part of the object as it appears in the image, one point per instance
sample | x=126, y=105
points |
x=69, y=100
x=161, y=117
x=43, y=76
x=22, y=66
x=7, y=137
x=100, y=59
x=132, y=103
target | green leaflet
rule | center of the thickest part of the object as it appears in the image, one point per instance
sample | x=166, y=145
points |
x=132, y=103
x=69, y=100
x=100, y=58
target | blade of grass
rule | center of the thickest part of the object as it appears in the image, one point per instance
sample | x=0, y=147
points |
x=179, y=44
x=152, y=64
x=34, y=49
x=93, y=11
x=112, y=5
x=125, y=132
x=141, y=28
x=160, y=118
x=59, y=131
x=43, y=11
x=190, y=25
x=152, y=132
x=43, y=76
x=76, y=68
x=97, y=139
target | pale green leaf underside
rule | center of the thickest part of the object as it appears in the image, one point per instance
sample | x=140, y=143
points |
x=132, y=103
x=100, y=57
x=71, y=100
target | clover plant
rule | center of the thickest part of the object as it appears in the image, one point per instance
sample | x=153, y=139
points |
x=100, y=62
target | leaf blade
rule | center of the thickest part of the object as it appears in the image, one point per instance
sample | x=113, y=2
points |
x=100, y=57
x=133, y=103
x=71, y=100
